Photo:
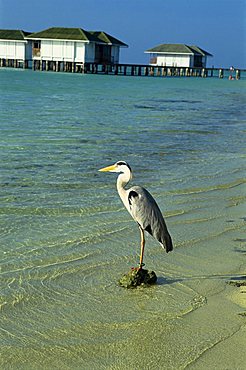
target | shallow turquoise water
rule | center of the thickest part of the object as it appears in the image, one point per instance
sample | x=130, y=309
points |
x=66, y=238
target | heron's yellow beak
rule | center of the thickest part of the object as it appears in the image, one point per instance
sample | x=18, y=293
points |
x=108, y=169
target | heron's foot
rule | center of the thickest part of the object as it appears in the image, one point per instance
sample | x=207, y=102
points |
x=141, y=265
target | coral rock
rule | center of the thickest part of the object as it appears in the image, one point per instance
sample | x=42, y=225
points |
x=136, y=277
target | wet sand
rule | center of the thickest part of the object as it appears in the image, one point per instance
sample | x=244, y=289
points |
x=229, y=352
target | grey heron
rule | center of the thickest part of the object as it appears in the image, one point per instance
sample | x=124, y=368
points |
x=142, y=207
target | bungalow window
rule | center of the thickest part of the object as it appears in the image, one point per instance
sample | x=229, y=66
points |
x=36, y=44
x=36, y=50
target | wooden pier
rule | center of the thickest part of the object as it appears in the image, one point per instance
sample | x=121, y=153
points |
x=122, y=69
x=159, y=71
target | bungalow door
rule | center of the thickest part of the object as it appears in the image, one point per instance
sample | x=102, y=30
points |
x=198, y=61
x=103, y=54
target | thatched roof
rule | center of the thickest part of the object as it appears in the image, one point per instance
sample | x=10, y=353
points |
x=56, y=33
x=13, y=35
x=178, y=49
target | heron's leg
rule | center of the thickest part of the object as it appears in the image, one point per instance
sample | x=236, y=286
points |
x=141, y=264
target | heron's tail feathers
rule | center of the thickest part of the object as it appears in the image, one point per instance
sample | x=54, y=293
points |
x=167, y=243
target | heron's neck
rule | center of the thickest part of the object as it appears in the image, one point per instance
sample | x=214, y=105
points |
x=122, y=181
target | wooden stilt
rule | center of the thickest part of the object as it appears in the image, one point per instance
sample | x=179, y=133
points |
x=205, y=72
x=238, y=75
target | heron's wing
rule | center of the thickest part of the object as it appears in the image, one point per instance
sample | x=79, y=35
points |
x=147, y=214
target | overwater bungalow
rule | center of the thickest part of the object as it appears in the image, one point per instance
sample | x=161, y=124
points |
x=178, y=55
x=68, y=49
x=97, y=52
x=15, y=49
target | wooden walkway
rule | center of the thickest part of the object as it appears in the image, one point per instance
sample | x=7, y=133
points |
x=159, y=71
x=122, y=69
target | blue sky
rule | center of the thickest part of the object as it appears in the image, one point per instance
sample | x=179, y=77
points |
x=218, y=26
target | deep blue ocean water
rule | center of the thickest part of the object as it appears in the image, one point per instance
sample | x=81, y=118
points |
x=66, y=238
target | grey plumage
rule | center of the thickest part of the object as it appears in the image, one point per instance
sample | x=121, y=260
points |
x=147, y=214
